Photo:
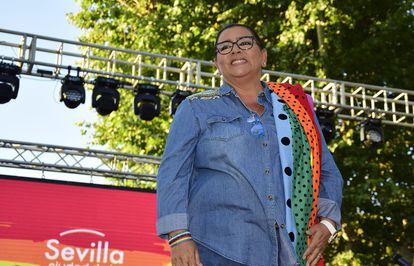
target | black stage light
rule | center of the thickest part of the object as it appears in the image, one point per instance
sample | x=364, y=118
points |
x=147, y=103
x=177, y=97
x=326, y=120
x=9, y=82
x=72, y=92
x=105, y=96
x=371, y=132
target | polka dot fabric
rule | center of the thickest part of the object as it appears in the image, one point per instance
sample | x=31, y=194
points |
x=302, y=182
x=295, y=98
x=284, y=133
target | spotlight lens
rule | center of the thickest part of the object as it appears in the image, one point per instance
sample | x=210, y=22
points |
x=373, y=136
x=72, y=95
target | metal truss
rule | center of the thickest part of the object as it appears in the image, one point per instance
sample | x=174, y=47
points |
x=49, y=57
x=42, y=157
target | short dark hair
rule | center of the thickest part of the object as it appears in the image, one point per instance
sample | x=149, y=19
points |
x=253, y=32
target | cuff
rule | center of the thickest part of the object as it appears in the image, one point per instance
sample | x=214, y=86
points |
x=171, y=222
x=329, y=209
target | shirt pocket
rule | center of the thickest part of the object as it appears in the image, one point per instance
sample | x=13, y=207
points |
x=224, y=128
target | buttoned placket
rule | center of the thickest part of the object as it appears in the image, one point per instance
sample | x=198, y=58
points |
x=270, y=200
x=270, y=179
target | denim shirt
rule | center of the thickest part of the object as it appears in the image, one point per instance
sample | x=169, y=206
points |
x=225, y=185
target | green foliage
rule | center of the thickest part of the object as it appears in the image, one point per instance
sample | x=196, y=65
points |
x=346, y=258
x=378, y=195
x=363, y=41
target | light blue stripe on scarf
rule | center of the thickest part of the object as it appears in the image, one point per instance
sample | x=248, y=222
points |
x=283, y=129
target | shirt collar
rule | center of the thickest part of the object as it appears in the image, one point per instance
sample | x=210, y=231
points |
x=267, y=91
x=227, y=89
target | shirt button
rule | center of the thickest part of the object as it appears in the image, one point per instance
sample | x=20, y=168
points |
x=276, y=226
x=282, y=226
x=267, y=171
x=270, y=197
x=264, y=144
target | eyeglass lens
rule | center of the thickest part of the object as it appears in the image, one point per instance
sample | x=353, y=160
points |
x=244, y=43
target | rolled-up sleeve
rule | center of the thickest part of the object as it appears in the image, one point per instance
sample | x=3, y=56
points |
x=330, y=189
x=175, y=171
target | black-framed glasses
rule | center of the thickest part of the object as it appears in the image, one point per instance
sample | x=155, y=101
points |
x=244, y=43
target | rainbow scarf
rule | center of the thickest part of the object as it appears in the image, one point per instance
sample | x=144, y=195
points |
x=300, y=149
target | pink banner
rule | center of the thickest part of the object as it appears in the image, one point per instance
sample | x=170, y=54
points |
x=71, y=224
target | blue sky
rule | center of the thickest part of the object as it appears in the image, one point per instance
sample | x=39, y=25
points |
x=37, y=115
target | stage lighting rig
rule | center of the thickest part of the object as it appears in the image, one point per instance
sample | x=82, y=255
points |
x=9, y=82
x=72, y=92
x=147, y=103
x=177, y=97
x=371, y=132
x=326, y=120
x=105, y=96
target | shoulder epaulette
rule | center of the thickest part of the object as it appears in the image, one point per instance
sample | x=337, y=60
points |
x=205, y=95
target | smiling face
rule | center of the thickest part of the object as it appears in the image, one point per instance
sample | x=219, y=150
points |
x=240, y=64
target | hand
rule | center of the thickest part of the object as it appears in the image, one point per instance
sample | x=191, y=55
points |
x=320, y=236
x=185, y=254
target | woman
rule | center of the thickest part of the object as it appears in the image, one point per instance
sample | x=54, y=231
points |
x=245, y=175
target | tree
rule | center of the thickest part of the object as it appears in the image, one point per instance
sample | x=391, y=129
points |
x=363, y=41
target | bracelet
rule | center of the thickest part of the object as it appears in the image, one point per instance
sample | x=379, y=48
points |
x=331, y=229
x=181, y=240
x=328, y=225
x=178, y=236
